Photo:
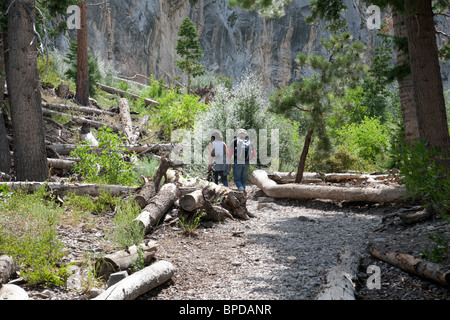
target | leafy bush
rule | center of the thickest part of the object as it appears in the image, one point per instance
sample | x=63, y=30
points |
x=367, y=140
x=423, y=177
x=107, y=166
x=245, y=106
x=28, y=234
x=126, y=233
x=175, y=110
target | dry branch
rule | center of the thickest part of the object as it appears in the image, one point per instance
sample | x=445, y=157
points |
x=300, y=191
x=86, y=110
x=66, y=149
x=139, y=282
x=123, y=94
x=79, y=120
x=413, y=265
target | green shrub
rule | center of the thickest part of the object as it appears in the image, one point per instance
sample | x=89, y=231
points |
x=423, y=177
x=107, y=166
x=28, y=234
x=245, y=106
x=368, y=139
x=125, y=232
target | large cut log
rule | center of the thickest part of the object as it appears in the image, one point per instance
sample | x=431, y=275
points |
x=86, y=110
x=339, y=283
x=62, y=188
x=413, y=265
x=79, y=120
x=123, y=260
x=7, y=268
x=158, y=206
x=139, y=282
x=66, y=149
x=127, y=123
x=123, y=94
x=150, y=187
x=192, y=201
x=301, y=191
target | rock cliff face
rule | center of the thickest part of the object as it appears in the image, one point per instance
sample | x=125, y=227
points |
x=234, y=41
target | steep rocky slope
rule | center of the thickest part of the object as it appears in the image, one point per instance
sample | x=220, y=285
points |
x=144, y=34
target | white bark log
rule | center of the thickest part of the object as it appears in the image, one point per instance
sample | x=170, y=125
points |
x=122, y=260
x=300, y=191
x=339, y=280
x=158, y=206
x=139, y=282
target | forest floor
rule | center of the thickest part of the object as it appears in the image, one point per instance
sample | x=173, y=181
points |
x=283, y=253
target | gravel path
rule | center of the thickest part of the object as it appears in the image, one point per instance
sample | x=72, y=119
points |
x=282, y=253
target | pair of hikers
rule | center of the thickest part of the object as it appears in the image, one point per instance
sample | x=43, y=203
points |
x=239, y=153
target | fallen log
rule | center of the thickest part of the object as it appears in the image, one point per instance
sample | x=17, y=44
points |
x=341, y=177
x=61, y=163
x=123, y=260
x=66, y=149
x=413, y=265
x=339, y=283
x=86, y=110
x=62, y=188
x=79, y=120
x=123, y=94
x=150, y=187
x=301, y=191
x=289, y=177
x=411, y=215
x=127, y=123
x=7, y=268
x=158, y=206
x=192, y=201
x=139, y=282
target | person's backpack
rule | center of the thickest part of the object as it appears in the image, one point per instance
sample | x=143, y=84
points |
x=242, y=150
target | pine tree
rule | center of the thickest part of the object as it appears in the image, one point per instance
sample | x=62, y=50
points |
x=188, y=47
x=340, y=71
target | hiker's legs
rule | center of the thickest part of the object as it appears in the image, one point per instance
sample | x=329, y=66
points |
x=237, y=171
x=244, y=175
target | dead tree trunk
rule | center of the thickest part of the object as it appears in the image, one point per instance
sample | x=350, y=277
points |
x=301, y=163
x=86, y=110
x=122, y=260
x=139, y=282
x=79, y=120
x=411, y=264
x=127, y=123
x=299, y=191
x=158, y=206
x=123, y=94
x=339, y=280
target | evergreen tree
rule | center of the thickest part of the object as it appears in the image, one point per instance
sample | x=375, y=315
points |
x=93, y=71
x=340, y=71
x=188, y=47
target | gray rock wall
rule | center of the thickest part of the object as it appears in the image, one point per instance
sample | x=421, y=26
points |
x=234, y=41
